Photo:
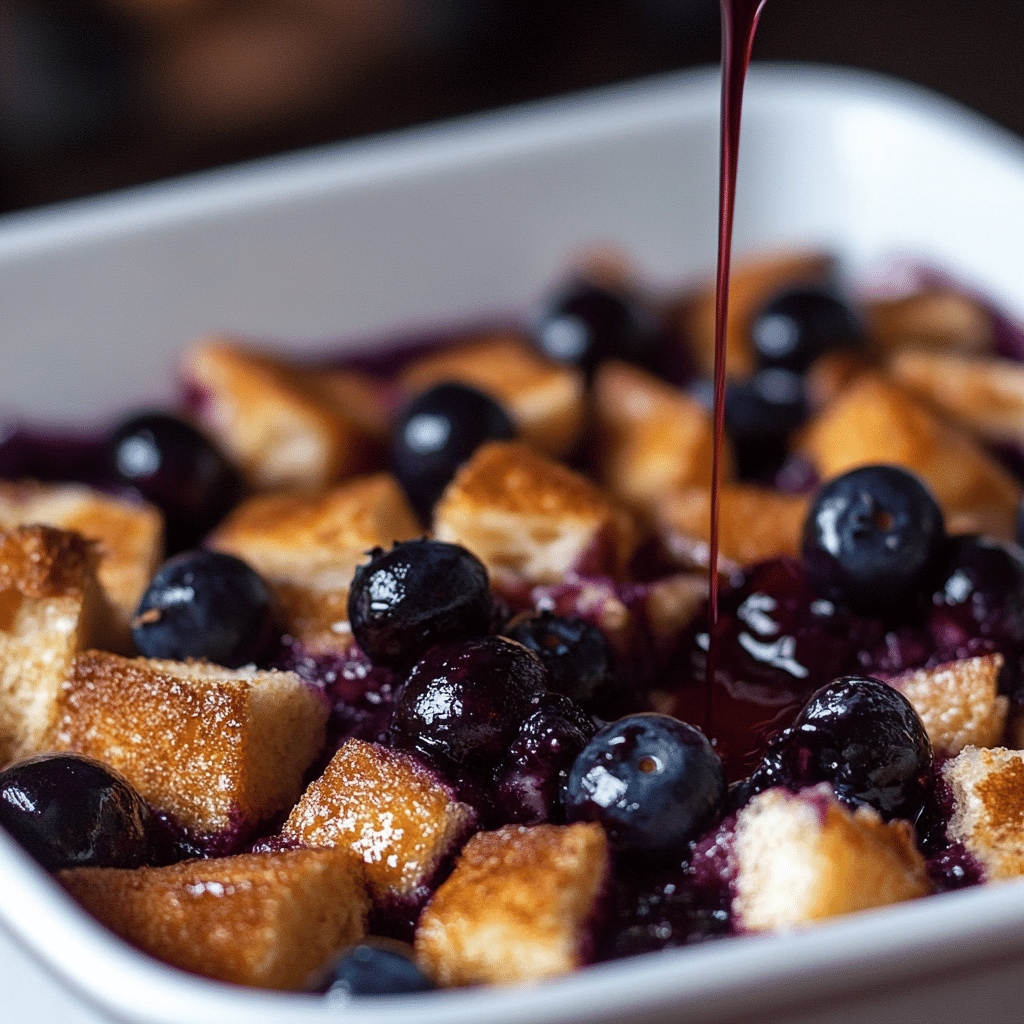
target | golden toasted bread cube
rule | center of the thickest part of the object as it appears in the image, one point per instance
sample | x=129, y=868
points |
x=517, y=906
x=544, y=399
x=987, y=785
x=397, y=816
x=984, y=395
x=754, y=523
x=269, y=418
x=958, y=703
x=805, y=857
x=129, y=538
x=651, y=436
x=51, y=607
x=215, y=749
x=370, y=402
x=307, y=548
x=877, y=421
x=752, y=285
x=940, y=319
x=530, y=519
x=264, y=919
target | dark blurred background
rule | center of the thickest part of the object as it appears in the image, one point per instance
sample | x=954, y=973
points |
x=97, y=94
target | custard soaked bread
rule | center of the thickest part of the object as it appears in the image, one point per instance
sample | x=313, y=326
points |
x=218, y=751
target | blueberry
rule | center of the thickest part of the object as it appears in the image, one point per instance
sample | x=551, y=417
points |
x=205, y=604
x=871, y=538
x=436, y=433
x=653, y=782
x=586, y=323
x=761, y=412
x=174, y=466
x=863, y=737
x=796, y=327
x=420, y=593
x=462, y=704
x=978, y=602
x=68, y=810
x=531, y=775
x=575, y=652
x=376, y=967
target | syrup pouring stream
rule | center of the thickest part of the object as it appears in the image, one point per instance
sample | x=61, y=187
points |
x=739, y=23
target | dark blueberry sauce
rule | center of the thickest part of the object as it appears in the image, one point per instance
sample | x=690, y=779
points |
x=361, y=694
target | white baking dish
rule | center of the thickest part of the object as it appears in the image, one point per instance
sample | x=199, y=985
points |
x=362, y=240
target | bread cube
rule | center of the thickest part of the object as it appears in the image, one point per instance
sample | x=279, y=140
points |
x=51, y=607
x=987, y=787
x=397, y=816
x=518, y=907
x=267, y=919
x=958, y=703
x=307, y=548
x=805, y=857
x=128, y=535
x=269, y=418
x=754, y=523
x=752, y=285
x=984, y=395
x=532, y=520
x=876, y=421
x=544, y=399
x=652, y=437
x=217, y=750
x=937, y=318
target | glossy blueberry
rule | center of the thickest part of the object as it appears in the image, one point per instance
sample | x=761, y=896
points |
x=462, y=704
x=420, y=593
x=174, y=466
x=68, y=810
x=978, y=602
x=586, y=323
x=436, y=433
x=376, y=967
x=796, y=327
x=861, y=736
x=205, y=604
x=575, y=652
x=653, y=782
x=530, y=777
x=761, y=412
x=871, y=538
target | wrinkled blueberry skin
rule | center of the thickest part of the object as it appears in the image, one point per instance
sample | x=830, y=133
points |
x=530, y=778
x=798, y=326
x=861, y=736
x=376, y=967
x=436, y=433
x=174, y=466
x=871, y=538
x=462, y=703
x=653, y=782
x=206, y=604
x=68, y=810
x=576, y=653
x=418, y=594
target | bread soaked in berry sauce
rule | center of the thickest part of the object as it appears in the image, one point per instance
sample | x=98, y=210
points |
x=492, y=801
